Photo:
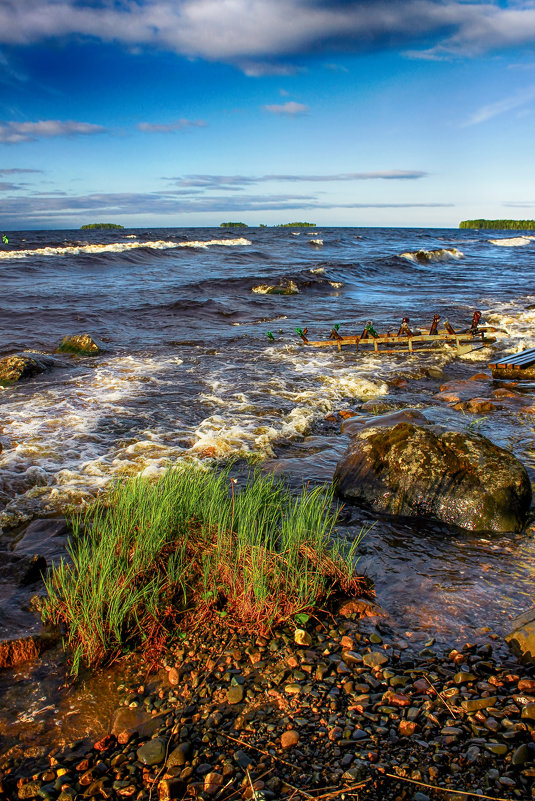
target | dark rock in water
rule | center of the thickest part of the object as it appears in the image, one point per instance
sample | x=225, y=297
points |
x=461, y=479
x=81, y=345
x=521, y=637
x=26, y=365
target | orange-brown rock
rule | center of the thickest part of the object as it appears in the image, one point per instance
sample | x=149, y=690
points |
x=407, y=727
x=289, y=738
x=476, y=406
x=480, y=377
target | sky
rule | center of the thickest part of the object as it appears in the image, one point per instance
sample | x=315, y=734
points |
x=157, y=113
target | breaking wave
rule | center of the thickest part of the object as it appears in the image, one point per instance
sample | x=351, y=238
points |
x=120, y=247
x=426, y=256
x=512, y=242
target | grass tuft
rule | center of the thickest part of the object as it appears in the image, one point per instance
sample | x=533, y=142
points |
x=153, y=554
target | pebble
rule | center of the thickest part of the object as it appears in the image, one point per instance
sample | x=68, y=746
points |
x=212, y=783
x=375, y=659
x=235, y=694
x=152, y=752
x=289, y=739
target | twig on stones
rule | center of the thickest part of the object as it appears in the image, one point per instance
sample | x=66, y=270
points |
x=441, y=697
x=260, y=751
x=444, y=789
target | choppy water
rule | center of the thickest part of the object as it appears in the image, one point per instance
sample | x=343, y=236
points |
x=190, y=374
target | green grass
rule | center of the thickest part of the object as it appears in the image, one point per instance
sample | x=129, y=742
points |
x=153, y=555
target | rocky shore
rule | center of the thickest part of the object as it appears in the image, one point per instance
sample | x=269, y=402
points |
x=340, y=708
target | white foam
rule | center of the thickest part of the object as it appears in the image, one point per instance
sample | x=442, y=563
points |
x=317, y=242
x=425, y=256
x=121, y=247
x=513, y=242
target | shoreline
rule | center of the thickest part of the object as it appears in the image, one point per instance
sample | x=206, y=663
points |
x=351, y=710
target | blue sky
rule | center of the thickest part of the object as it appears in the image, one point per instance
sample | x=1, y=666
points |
x=191, y=112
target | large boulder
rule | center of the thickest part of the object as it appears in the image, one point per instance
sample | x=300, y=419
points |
x=80, y=345
x=461, y=479
x=26, y=365
x=521, y=637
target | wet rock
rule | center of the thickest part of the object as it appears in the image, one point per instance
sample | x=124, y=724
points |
x=522, y=754
x=302, y=637
x=521, y=637
x=375, y=659
x=528, y=712
x=81, y=345
x=461, y=479
x=179, y=755
x=235, y=694
x=152, y=752
x=474, y=704
x=212, y=783
x=289, y=739
x=26, y=365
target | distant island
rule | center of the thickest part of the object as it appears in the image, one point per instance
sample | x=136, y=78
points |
x=99, y=226
x=233, y=225
x=296, y=225
x=513, y=225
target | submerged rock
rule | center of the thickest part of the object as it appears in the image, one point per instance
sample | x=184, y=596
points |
x=81, y=345
x=521, y=637
x=26, y=365
x=461, y=479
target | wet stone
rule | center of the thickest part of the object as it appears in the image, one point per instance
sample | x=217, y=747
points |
x=475, y=704
x=375, y=660
x=235, y=694
x=152, y=752
x=178, y=755
x=29, y=790
x=528, y=712
x=522, y=754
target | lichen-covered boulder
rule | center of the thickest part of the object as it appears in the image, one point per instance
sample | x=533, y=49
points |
x=521, y=637
x=461, y=479
x=25, y=365
x=81, y=345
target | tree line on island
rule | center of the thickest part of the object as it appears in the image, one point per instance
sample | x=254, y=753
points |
x=282, y=225
x=514, y=225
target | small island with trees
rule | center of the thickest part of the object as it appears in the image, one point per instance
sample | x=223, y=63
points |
x=99, y=226
x=233, y=225
x=504, y=225
x=296, y=225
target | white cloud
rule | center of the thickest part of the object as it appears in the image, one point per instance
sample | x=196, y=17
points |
x=262, y=35
x=14, y=132
x=514, y=101
x=240, y=181
x=178, y=125
x=290, y=109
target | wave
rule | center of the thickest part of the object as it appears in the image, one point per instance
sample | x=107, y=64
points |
x=512, y=242
x=120, y=247
x=426, y=256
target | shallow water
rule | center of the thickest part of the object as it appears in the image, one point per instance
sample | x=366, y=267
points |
x=190, y=374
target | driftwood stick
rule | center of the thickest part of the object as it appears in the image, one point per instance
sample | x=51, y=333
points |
x=444, y=789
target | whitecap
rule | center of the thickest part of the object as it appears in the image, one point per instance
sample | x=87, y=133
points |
x=426, y=256
x=121, y=247
x=512, y=242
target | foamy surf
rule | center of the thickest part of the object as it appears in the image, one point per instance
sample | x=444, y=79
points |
x=512, y=242
x=426, y=256
x=121, y=247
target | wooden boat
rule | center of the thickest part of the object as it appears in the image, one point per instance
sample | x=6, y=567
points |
x=407, y=340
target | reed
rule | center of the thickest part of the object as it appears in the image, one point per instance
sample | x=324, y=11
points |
x=152, y=554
